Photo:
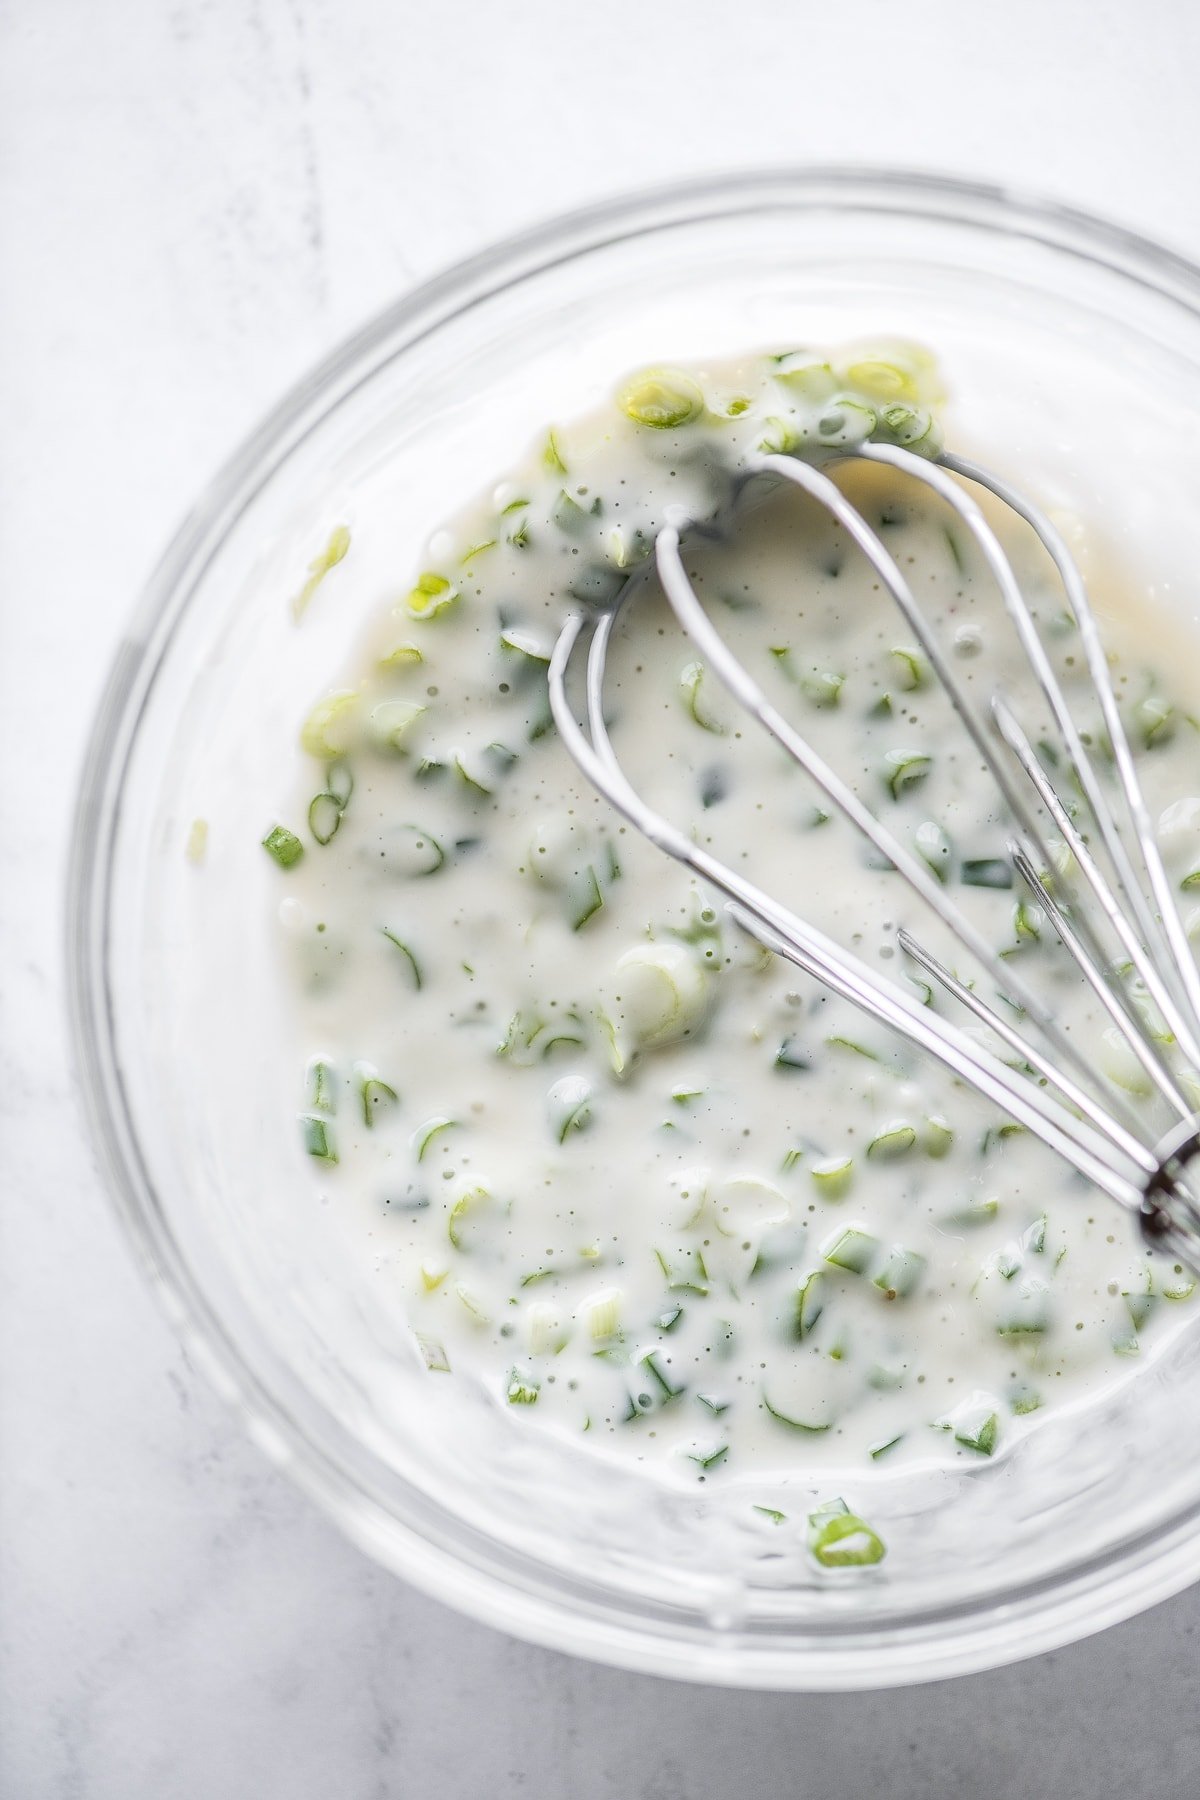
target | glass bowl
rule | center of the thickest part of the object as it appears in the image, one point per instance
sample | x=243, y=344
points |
x=1074, y=353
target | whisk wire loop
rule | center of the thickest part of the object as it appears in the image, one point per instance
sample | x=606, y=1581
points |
x=1104, y=1138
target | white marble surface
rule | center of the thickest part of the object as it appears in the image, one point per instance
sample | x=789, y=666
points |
x=197, y=197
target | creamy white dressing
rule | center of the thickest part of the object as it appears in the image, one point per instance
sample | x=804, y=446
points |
x=650, y=1186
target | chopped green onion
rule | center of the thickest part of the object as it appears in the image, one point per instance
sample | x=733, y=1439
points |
x=324, y=817
x=770, y=1512
x=847, y=422
x=814, y=380
x=652, y=1364
x=523, y=643
x=934, y=848
x=791, y=1423
x=897, y=1139
x=523, y=1388
x=845, y=1043
x=881, y=380
x=809, y=1303
x=902, y=1270
x=832, y=1176
x=330, y=556
x=329, y=727
x=987, y=872
x=975, y=1212
x=401, y=656
x=432, y=596
x=839, y=1539
x=603, y=1314
x=424, y=1135
x=1034, y=1238
x=1155, y=721
x=416, y=852
x=914, y=428
x=709, y=1458
x=938, y=1138
x=790, y=1055
x=711, y=1403
x=903, y=769
x=322, y=1095
x=911, y=669
x=689, y=1275
x=979, y=1433
x=692, y=681
x=996, y=1134
x=570, y=1106
x=1027, y=920
x=339, y=781
x=470, y=780
x=391, y=721
x=197, y=841
x=881, y=1449
x=569, y=516
x=589, y=903
x=283, y=845
x=469, y=1201
x=1140, y=1302
x=373, y=1092
x=552, y=456
x=433, y=1355
x=661, y=398
x=414, y=965
x=852, y=1250
x=317, y=1140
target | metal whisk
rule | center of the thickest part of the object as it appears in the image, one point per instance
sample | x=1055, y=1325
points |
x=1066, y=1102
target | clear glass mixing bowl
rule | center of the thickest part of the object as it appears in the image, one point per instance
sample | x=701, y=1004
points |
x=1061, y=336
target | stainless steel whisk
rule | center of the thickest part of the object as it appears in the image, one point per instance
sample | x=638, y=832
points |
x=1066, y=1103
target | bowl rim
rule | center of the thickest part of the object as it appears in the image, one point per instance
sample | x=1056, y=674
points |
x=945, y=1639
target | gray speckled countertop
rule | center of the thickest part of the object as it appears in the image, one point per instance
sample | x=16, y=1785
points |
x=197, y=198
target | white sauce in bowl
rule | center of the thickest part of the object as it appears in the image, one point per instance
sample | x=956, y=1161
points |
x=651, y=1187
